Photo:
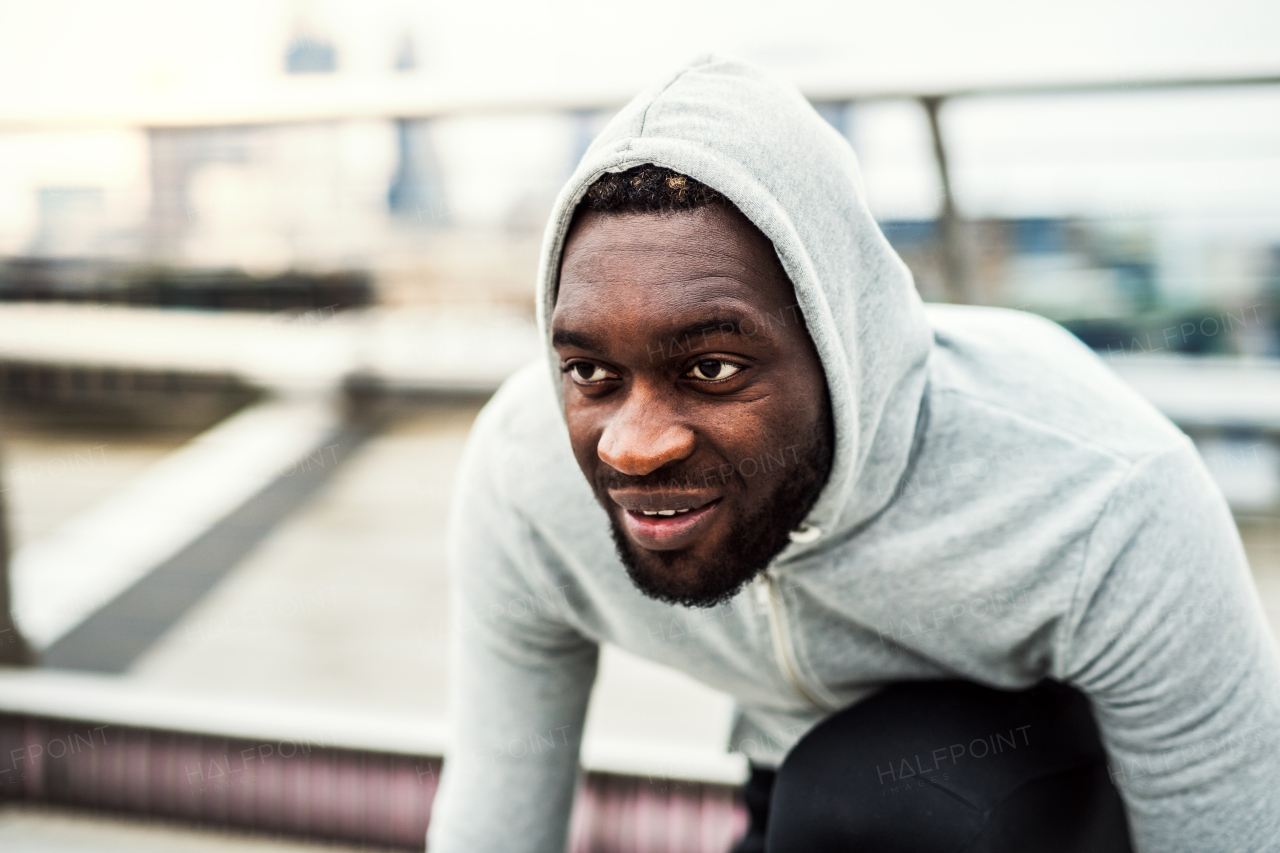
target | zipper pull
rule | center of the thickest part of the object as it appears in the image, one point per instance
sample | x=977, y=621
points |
x=763, y=592
x=805, y=533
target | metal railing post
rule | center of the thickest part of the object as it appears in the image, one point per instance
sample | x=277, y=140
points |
x=957, y=280
x=14, y=649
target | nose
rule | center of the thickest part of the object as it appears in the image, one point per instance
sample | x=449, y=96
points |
x=642, y=436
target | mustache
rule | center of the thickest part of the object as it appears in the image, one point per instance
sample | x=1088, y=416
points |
x=684, y=479
x=677, y=478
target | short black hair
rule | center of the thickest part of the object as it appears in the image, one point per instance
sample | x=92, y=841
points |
x=648, y=189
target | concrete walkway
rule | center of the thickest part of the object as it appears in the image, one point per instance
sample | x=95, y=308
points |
x=37, y=829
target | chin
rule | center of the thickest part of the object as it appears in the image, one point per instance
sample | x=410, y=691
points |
x=681, y=578
x=702, y=575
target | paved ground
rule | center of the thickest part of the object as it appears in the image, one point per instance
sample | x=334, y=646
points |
x=345, y=602
x=50, y=476
x=1262, y=542
x=36, y=829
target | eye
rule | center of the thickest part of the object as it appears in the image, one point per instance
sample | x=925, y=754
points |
x=713, y=368
x=586, y=373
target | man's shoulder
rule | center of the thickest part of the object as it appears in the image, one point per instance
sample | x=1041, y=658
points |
x=524, y=409
x=1036, y=377
x=519, y=487
x=520, y=441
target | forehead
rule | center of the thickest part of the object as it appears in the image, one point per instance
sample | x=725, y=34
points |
x=666, y=263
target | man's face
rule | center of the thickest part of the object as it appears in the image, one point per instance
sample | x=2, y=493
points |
x=696, y=403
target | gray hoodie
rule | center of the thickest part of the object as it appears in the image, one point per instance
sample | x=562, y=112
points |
x=1001, y=509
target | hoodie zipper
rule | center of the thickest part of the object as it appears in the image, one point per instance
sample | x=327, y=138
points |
x=767, y=599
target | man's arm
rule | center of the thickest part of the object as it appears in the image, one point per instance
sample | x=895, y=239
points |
x=520, y=682
x=1169, y=640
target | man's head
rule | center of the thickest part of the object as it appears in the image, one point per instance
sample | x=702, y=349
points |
x=696, y=402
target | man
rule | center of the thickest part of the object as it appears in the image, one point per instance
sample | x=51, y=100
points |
x=894, y=527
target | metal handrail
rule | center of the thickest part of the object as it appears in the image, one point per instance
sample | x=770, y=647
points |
x=410, y=98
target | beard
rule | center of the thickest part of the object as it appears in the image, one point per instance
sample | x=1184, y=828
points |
x=755, y=538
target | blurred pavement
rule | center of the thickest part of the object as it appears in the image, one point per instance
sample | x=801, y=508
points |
x=38, y=829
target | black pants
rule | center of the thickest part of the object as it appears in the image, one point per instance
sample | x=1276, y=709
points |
x=943, y=766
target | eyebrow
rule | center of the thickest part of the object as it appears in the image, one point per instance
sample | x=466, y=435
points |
x=724, y=325
x=581, y=340
x=721, y=325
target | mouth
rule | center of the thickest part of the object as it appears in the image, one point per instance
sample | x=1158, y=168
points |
x=668, y=527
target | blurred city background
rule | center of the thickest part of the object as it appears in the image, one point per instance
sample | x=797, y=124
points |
x=262, y=262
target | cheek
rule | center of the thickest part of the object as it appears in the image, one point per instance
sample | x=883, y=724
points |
x=584, y=432
x=779, y=433
x=743, y=442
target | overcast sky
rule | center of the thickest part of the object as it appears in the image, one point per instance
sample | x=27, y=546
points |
x=63, y=53
x=1206, y=150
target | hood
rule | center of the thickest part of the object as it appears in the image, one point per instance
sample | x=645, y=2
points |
x=755, y=139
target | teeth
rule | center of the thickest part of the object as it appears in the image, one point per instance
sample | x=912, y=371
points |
x=664, y=511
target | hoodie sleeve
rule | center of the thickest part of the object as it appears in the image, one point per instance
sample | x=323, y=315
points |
x=519, y=686
x=1169, y=640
